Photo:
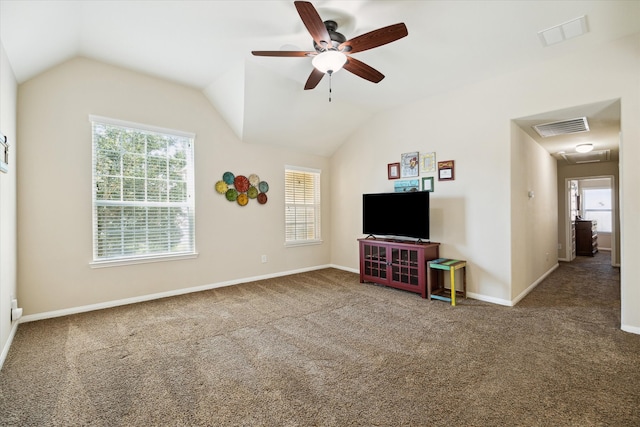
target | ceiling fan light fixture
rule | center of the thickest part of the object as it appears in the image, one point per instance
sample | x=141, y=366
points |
x=584, y=148
x=330, y=60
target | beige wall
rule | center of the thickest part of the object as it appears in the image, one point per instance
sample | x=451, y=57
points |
x=604, y=241
x=629, y=72
x=8, y=262
x=54, y=207
x=474, y=216
x=533, y=219
x=470, y=216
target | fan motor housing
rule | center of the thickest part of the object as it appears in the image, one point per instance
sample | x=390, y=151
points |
x=336, y=38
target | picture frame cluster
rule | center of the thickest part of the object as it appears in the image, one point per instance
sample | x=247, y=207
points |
x=414, y=164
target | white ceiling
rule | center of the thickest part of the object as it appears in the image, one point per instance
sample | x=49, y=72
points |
x=207, y=45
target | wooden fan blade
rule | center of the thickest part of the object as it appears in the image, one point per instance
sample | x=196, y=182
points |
x=313, y=22
x=361, y=69
x=286, y=53
x=374, y=38
x=314, y=78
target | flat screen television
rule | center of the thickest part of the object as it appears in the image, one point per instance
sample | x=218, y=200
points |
x=396, y=214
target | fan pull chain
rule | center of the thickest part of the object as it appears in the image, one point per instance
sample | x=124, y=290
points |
x=330, y=74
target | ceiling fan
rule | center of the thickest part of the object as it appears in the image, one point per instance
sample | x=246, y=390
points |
x=333, y=51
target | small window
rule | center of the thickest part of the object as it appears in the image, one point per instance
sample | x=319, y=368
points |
x=302, y=205
x=143, y=204
x=597, y=206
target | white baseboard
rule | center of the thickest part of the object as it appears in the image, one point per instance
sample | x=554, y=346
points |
x=631, y=329
x=513, y=302
x=7, y=345
x=531, y=287
x=492, y=300
x=150, y=297
x=340, y=267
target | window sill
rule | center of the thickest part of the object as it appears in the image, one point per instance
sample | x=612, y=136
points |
x=302, y=243
x=132, y=261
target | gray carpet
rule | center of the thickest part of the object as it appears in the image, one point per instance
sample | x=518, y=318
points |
x=320, y=348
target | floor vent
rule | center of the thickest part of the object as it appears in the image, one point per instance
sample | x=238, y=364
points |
x=563, y=127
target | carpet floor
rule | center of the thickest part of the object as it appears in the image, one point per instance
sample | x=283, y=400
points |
x=322, y=349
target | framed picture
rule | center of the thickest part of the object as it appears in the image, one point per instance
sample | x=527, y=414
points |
x=446, y=171
x=406, y=185
x=427, y=183
x=409, y=164
x=393, y=170
x=427, y=162
x=4, y=154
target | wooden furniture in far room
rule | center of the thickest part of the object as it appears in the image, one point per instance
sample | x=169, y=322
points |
x=433, y=279
x=398, y=264
x=586, y=237
x=572, y=241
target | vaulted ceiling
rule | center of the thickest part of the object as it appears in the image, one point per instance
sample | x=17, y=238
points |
x=207, y=45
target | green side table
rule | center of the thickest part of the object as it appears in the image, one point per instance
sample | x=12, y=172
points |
x=444, y=264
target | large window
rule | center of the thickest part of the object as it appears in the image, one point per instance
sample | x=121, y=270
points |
x=597, y=206
x=302, y=205
x=143, y=204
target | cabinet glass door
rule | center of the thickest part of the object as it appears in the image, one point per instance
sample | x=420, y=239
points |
x=375, y=261
x=405, y=266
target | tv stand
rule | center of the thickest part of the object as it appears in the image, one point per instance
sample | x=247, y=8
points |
x=400, y=265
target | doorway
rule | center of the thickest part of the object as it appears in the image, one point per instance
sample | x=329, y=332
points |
x=593, y=199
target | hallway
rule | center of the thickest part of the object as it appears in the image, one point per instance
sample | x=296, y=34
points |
x=587, y=288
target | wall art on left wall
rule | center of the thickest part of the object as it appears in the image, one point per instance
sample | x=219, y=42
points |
x=239, y=188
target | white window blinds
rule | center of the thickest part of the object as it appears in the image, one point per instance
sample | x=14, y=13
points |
x=598, y=206
x=302, y=205
x=143, y=204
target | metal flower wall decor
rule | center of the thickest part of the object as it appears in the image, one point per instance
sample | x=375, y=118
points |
x=241, y=189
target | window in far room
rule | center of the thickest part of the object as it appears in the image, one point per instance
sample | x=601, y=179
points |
x=143, y=204
x=302, y=206
x=597, y=206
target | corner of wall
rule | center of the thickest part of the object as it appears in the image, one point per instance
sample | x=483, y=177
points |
x=8, y=205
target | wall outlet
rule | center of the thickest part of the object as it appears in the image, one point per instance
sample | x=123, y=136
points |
x=264, y=258
x=559, y=246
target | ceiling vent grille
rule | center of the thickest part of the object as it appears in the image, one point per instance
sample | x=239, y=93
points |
x=563, y=127
x=570, y=29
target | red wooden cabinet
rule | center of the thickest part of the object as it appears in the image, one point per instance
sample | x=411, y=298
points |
x=396, y=264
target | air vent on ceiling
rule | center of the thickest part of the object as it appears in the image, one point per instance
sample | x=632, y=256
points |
x=594, y=156
x=563, y=127
x=568, y=30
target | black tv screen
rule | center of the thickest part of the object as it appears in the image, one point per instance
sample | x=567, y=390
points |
x=396, y=214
